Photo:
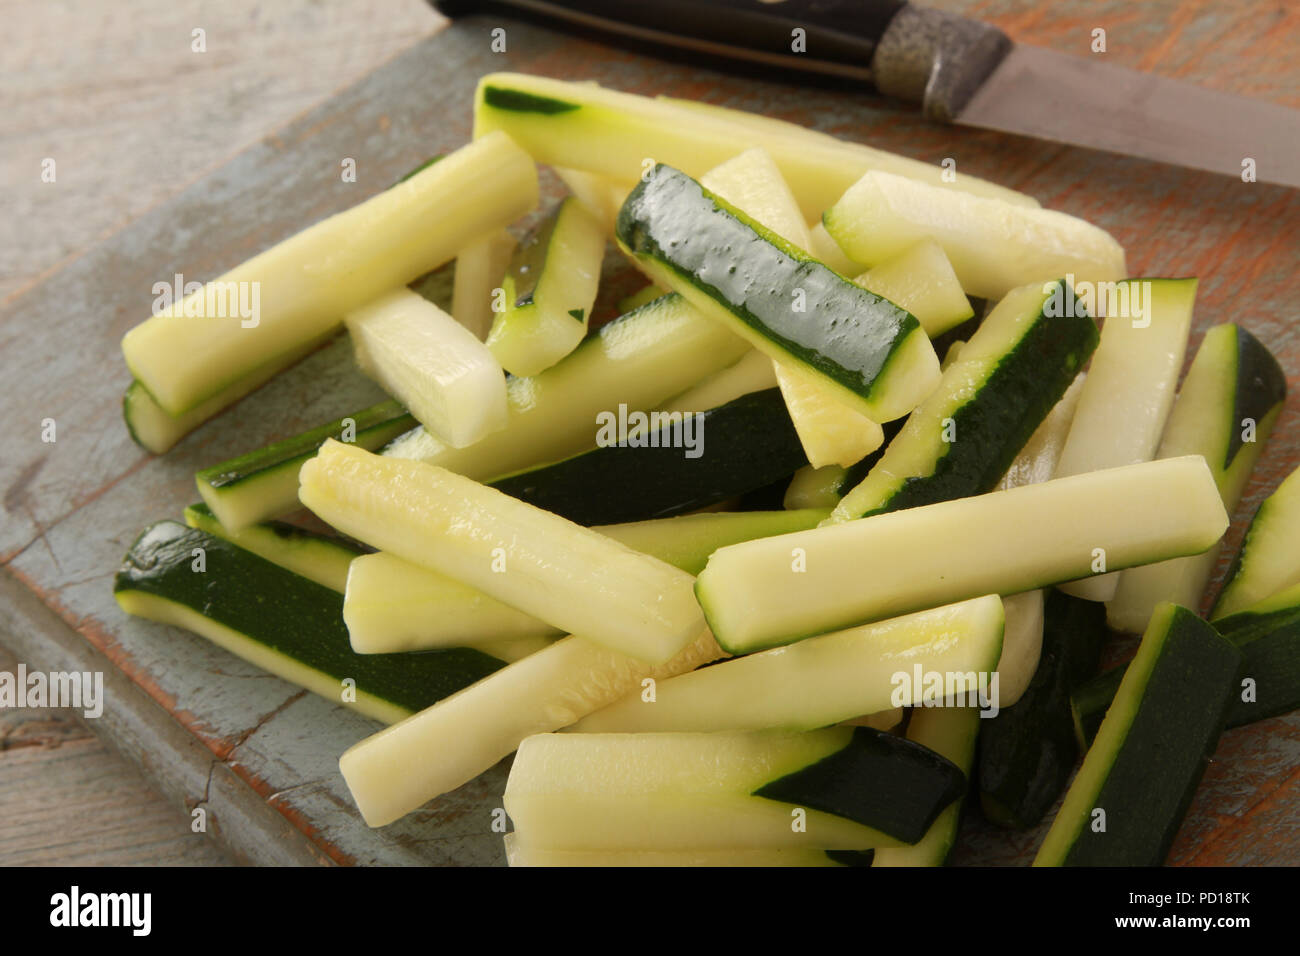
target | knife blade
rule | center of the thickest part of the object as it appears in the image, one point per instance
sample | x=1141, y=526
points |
x=958, y=70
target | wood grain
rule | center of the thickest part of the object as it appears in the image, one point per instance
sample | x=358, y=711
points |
x=131, y=113
x=66, y=798
x=71, y=509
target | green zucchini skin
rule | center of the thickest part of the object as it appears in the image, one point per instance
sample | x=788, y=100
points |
x=747, y=444
x=1233, y=377
x=288, y=615
x=1144, y=779
x=1027, y=752
x=1267, y=562
x=877, y=779
x=848, y=478
x=994, y=423
x=323, y=558
x=1089, y=702
x=848, y=334
x=386, y=418
x=951, y=732
x=641, y=358
x=1268, y=636
x=851, y=857
x=963, y=331
x=854, y=474
x=264, y=483
x=517, y=101
x=422, y=167
x=528, y=263
x=1261, y=385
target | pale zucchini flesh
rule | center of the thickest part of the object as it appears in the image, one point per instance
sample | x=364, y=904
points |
x=921, y=280
x=393, y=605
x=284, y=624
x=548, y=292
x=308, y=282
x=961, y=440
x=587, y=127
x=815, y=487
x=993, y=246
x=394, y=595
x=639, y=359
x=439, y=749
x=324, y=559
x=778, y=590
x=831, y=432
x=601, y=195
x=573, y=578
x=1022, y=641
x=647, y=293
x=950, y=732
x=1269, y=560
x=753, y=373
x=1234, y=380
x=823, y=247
x=674, y=792
x=871, y=353
x=686, y=541
x=480, y=267
x=1037, y=461
x=752, y=183
x=155, y=430
x=1151, y=748
x=820, y=681
x=520, y=853
x=263, y=484
x=432, y=364
x=825, y=487
x=794, y=133
x=1130, y=389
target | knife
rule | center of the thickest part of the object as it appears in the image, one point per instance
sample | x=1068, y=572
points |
x=958, y=70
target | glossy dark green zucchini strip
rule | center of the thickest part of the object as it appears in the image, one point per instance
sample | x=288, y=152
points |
x=280, y=620
x=1027, y=752
x=844, y=332
x=882, y=781
x=1268, y=636
x=690, y=462
x=1129, y=798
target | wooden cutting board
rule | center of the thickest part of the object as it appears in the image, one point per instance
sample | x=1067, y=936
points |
x=260, y=756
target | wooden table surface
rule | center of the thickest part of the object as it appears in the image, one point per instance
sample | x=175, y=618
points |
x=99, y=92
x=131, y=118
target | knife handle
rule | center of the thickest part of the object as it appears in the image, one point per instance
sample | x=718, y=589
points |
x=919, y=54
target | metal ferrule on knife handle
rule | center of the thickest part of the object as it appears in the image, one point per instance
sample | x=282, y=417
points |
x=937, y=59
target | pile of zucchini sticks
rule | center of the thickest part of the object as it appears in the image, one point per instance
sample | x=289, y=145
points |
x=894, y=453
